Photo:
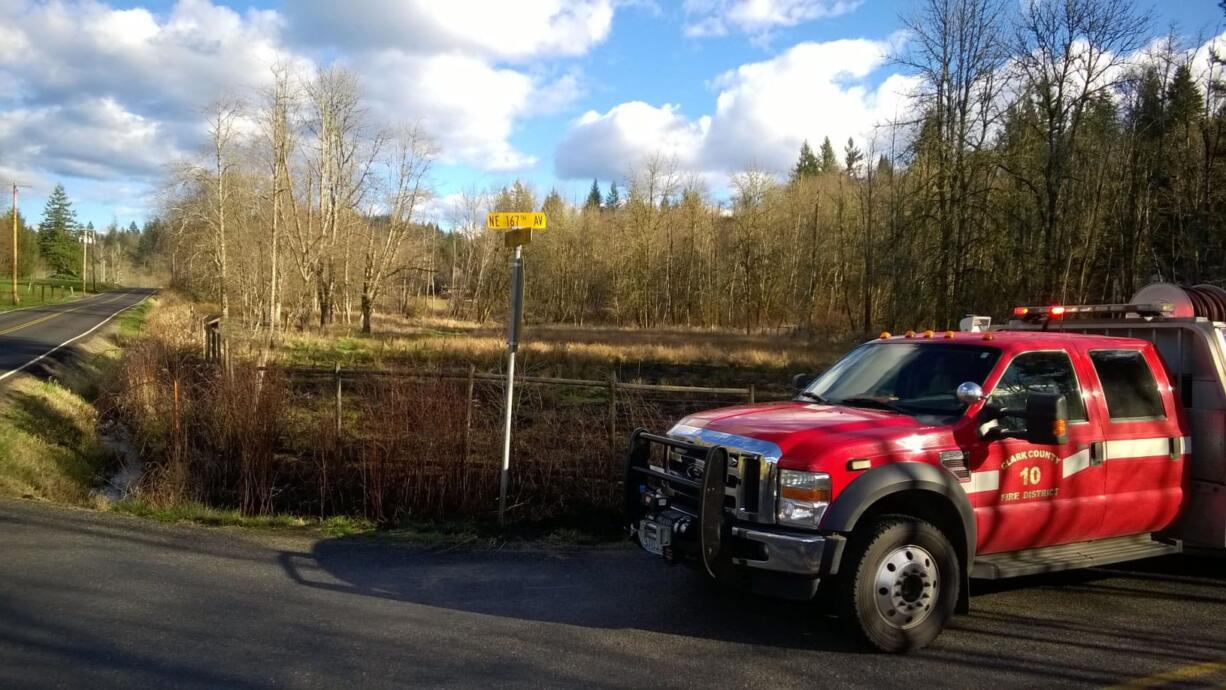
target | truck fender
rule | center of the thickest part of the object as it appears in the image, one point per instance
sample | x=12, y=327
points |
x=878, y=483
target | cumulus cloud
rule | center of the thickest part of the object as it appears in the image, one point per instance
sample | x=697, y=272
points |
x=502, y=30
x=468, y=106
x=763, y=111
x=757, y=17
x=604, y=145
x=103, y=93
x=95, y=91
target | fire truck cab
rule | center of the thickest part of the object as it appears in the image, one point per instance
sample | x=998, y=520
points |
x=1074, y=436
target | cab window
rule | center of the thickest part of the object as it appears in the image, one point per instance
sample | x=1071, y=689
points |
x=1128, y=384
x=1039, y=372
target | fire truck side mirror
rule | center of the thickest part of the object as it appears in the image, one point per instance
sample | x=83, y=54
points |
x=1046, y=418
x=801, y=381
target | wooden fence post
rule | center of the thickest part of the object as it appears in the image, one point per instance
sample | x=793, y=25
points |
x=613, y=410
x=751, y=395
x=338, y=400
x=468, y=424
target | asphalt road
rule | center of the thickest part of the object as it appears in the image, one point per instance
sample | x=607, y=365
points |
x=31, y=336
x=102, y=600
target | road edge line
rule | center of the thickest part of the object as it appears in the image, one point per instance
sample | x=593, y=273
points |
x=72, y=340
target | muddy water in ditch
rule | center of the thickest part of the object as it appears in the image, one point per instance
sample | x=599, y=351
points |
x=116, y=439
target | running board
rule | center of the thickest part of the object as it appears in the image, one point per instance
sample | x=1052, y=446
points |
x=1052, y=559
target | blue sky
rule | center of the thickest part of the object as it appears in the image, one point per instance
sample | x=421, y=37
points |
x=101, y=96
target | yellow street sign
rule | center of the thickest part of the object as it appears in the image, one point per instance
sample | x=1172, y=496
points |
x=515, y=221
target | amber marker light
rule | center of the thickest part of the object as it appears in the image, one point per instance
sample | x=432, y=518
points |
x=885, y=335
x=949, y=334
x=910, y=334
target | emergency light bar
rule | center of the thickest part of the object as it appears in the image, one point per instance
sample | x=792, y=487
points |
x=1060, y=311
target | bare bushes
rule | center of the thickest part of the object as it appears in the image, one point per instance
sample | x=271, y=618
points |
x=398, y=447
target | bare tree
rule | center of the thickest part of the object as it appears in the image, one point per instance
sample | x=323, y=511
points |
x=407, y=184
x=958, y=50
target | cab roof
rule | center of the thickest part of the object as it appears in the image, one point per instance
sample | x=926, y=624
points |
x=1017, y=341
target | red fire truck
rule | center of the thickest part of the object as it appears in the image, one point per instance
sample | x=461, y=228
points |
x=1075, y=436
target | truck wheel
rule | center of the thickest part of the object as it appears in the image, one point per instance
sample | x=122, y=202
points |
x=900, y=585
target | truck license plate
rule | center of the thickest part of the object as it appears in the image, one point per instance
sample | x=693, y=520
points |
x=654, y=537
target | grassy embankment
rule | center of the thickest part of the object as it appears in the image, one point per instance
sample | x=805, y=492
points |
x=49, y=445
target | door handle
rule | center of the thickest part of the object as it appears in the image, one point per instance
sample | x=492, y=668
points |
x=1098, y=453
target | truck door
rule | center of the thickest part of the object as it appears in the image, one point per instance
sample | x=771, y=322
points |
x=1045, y=494
x=1144, y=452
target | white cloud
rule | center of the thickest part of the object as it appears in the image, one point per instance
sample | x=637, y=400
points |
x=518, y=30
x=763, y=111
x=89, y=90
x=104, y=93
x=757, y=17
x=468, y=106
x=606, y=145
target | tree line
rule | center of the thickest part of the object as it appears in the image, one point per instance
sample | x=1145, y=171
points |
x=53, y=247
x=1056, y=152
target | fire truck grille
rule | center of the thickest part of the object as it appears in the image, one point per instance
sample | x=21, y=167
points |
x=743, y=483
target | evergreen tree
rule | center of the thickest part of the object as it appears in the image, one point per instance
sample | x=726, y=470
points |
x=553, y=205
x=829, y=162
x=594, y=198
x=1184, y=102
x=807, y=164
x=614, y=199
x=57, y=234
x=852, y=156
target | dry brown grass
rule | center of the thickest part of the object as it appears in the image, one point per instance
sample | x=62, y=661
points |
x=686, y=356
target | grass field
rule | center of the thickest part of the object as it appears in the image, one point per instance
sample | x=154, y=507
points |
x=37, y=292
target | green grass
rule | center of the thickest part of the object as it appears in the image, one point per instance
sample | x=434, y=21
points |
x=132, y=322
x=48, y=443
x=199, y=514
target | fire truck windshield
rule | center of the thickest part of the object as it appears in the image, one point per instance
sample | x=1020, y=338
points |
x=908, y=377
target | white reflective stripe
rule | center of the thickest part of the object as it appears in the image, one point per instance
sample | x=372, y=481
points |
x=1076, y=462
x=1138, y=448
x=982, y=481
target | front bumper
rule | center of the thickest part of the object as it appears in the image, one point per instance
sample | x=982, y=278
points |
x=697, y=518
x=812, y=555
x=764, y=560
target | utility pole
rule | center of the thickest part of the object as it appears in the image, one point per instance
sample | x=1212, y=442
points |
x=16, y=299
x=85, y=240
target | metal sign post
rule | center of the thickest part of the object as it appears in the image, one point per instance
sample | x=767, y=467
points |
x=519, y=227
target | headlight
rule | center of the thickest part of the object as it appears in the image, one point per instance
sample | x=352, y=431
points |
x=803, y=498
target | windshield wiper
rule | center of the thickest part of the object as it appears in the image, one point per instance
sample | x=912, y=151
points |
x=813, y=396
x=865, y=401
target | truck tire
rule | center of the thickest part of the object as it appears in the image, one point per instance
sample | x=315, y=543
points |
x=900, y=585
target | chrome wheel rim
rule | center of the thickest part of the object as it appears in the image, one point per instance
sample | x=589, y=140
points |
x=906, y=586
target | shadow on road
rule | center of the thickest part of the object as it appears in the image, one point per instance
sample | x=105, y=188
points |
x=604, y=588
x=621, y=588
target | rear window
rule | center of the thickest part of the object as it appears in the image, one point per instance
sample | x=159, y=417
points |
x=1128, y=384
